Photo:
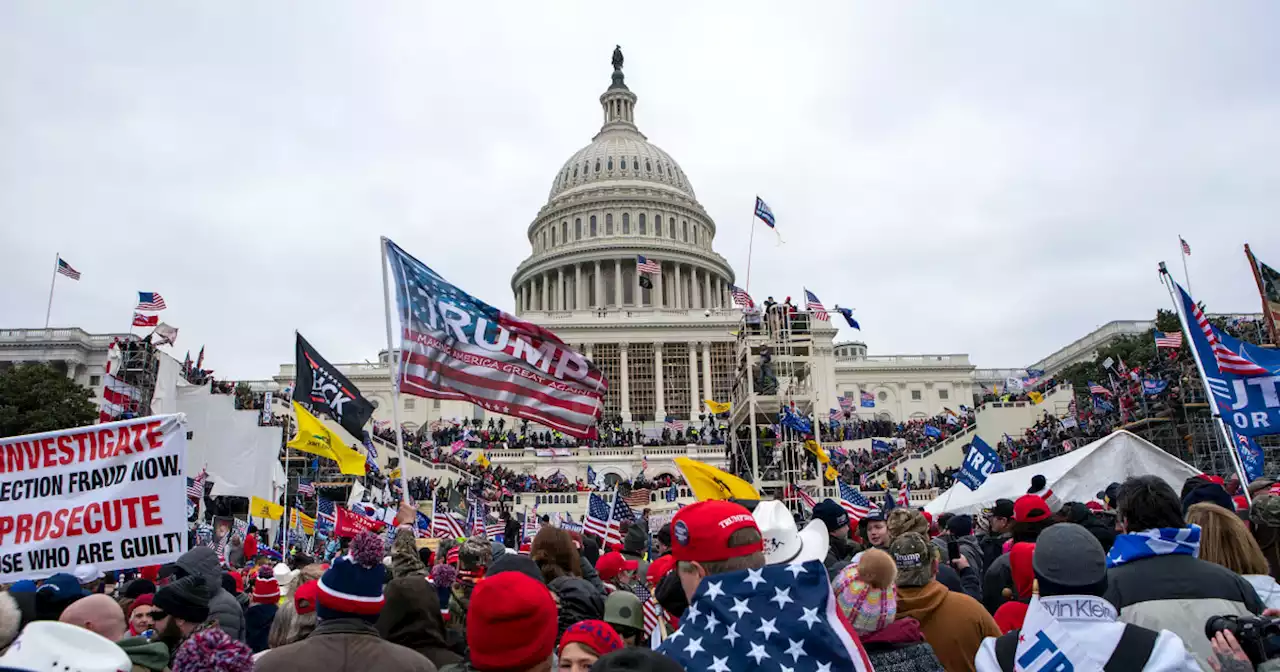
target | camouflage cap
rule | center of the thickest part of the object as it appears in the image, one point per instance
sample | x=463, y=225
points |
x=1266, y=511
x=903, y=520
x=475, y=552
x=913, y=554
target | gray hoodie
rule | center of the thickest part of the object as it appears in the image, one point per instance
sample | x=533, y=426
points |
x=203, y=561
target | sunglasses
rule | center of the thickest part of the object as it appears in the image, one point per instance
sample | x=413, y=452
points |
x=155, y=614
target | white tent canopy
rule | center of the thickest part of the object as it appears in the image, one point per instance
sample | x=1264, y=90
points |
x=1075, y=477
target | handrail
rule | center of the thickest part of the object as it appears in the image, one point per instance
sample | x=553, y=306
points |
x=969, y=429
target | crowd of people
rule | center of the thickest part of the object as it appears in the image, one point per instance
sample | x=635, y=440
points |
x=1125, y=581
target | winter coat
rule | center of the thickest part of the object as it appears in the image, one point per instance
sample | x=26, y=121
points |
x=958, y=581
x=511, y=534
x=954, y=624
x=969, y=548
x=590, y=549
x=578, y=600
x=146, y=656
x=405, y=560
x=590, y=575
x=459, y=603
x=839, y=552
x=1179, y=593
x=411, y=618
x=900, y=647
x=343, y=645
x=999, y=575
x=1267, y=588
x=16, y=610
x=203, y=561
x=257, y=623
x=992, y=547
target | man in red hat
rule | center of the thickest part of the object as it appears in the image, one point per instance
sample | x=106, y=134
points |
x=714, y=537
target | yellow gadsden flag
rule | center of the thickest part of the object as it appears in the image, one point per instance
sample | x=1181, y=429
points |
x=313, y=437
x=816, y=448
x=707, y=482
x=482, y=460
x=717, y=407
x=1036, y=397
x=261, y=508
x=308, y=523
x=832, y=474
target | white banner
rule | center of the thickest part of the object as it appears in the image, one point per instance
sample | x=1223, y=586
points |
x=113, y=495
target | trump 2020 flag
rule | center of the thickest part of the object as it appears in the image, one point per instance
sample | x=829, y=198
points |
x=455, y=346
x=979, y=463
x=772, y=618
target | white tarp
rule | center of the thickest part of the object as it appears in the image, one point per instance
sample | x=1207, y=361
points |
x=238, y=454
x=1074, y=477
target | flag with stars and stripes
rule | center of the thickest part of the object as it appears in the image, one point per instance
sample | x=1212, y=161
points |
x=645, y=265
x=1095, y=388
x=1172, y=339
x=811, y=303
x=781, y=617
x=652, y=612
x=306, y=487
x=65, y=269
x=794, y=492
x=853, y=502
x=195, y=486
x=597, y=521
x=151, y=302
x=326, y=518
x=741, y=297
x=674, y=424
x=904, y=494
x=455, y=346
x=443, y=522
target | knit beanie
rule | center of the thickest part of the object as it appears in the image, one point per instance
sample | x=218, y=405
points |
x=187, y=598
x=137, y=588
x=1210, y=493
x=265, y=589
x=1040, y=488
x=352, y=586
x=866, y=592
x=212, y=650
x=144, y=600
x=598, y=636
x=511, y=623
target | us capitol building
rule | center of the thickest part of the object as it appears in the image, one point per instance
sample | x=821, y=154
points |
x=664, y=348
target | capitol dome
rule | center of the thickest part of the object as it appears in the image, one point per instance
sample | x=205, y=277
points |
x=621, y=229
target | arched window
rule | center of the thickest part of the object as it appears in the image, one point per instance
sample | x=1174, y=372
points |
x=695, y=234
x=684, y=235
x=608, y=224
x=564, y=232
x=575, y=171
x=577, y=229
x=648, y=167
x=626, y=224
x=643, y=229
x=544, y=239
x=672, y=228
x=622, y=163
x=553, y=236
x=635, y=162
x=610, y=163
x=597, y=165
x=659, y=168
x=657, y=225
x=594, y=233
x=642, y=222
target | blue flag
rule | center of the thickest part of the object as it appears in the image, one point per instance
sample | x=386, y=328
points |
x=1244, y=378
x=787, y=418
x=979, y=463
x=1250, y=456
x=764, y=213
x=1154, y=385
x=1100, y=404
x=591, y=475
x=879, y=446
x=848, y=317
x=930, y=430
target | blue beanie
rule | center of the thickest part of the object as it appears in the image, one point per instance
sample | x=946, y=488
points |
x=1209, y=493
x=352, y=586
x=831, y=513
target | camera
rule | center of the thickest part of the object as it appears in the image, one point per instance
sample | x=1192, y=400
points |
x=1259, y=636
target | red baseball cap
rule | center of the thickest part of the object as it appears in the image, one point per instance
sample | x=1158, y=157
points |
x=700, y=532
x=610, y=564
x=1030, y=509
x=659, y=568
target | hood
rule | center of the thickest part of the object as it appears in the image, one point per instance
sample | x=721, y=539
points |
x=901, y=631
x=920, y=603
x=578, y=598
x=411, y=618
x=13, y=615
x=151, y=655
x=637, y=540
x=1020, y=566
x=202, y=561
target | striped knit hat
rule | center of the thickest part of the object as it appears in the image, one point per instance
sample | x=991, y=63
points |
x=866, y=592
x=352, y=587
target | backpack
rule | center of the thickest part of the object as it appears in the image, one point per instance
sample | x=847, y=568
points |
x=1131, y=653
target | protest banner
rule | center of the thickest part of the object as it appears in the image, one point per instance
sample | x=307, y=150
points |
x=114, y=495
x=350, y=523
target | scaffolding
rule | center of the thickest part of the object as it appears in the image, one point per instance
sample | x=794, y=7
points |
x=773, y=368
x=138, y=367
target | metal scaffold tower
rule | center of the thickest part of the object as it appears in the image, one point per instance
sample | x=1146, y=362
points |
x=773, y=370
x=138, y=367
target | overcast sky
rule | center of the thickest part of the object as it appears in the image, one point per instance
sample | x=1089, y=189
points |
x=990, y=178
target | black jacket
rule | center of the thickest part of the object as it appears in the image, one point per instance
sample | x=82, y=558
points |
x=411, y=618
x=579, y=601
x=511, y=534
x=257, y=623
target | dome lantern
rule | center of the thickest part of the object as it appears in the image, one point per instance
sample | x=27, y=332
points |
x=618, y=101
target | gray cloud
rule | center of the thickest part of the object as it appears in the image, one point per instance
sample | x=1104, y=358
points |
x=979, y=179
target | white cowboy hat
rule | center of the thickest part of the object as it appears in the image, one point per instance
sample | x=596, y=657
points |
x=50, y=645
x=784, y=544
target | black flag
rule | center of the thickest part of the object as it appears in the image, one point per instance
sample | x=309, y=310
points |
x=645, y=282
x=318, y=384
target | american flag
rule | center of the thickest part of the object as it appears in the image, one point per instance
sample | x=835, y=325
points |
x=151, y=301
x=652, y=612
x=1227, y=360
x=65, y=269
x=597, y=521
x=764, y=213
x=1186, y=249
x=783, y=614
x=674, y=424
x=120, y=400
x=475, y=520
x=444, y=523
x=306, y=487
x=638, y=498
x=794, y=492
x=1172, y=339
x=812, y=303
x=1095, y=388
x=494, y=530
x=904, y=494
x=741, y=297
x=195, y=486
x=325, y=516
x=854, y=503
x=517, y=368
x=644, y=265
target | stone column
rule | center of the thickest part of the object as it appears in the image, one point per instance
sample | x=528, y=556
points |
x=677, y=297
x=660, y=402
x=695, y=296
x=706, y=285
x=577, y=287
x=525, y=294
x=546, y=291
x=599, y=281
x=626, y=383
x=658, y=301
x=693, y=382
x=617, y=282
x=560, y=293
x=706, y=370
x=589, y=351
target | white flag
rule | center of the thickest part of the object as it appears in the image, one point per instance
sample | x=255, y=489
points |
x=164, y=334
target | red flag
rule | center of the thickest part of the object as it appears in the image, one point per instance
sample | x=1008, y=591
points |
x=350, y=523
x=140, y=320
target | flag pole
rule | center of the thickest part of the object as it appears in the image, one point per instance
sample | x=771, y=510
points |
x=751, y=239
x=393, y=367
x=1208, y=391
x=52, y=282
x=1182, y=248
x=1266, y=305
